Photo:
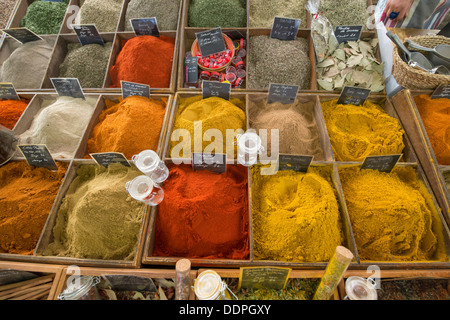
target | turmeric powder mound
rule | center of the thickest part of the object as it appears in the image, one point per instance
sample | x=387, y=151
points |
x=208, y=119
x=295, y=215
x=435, y=114
x=128, y=127
x=360, y=131
x=392, y=215
x=27, y=194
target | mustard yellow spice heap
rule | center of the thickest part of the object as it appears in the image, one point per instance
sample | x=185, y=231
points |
x=360, y=131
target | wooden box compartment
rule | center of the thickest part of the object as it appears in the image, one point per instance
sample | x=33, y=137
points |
x=117, y=47
x=33, y=108
x=33, y=258
x=59, y=54
x=118, y=272
x=254, y=98
x=233, y=274
x=21, y=11
x=437, y=224
x=408, y=152
x=383, y=277
x=47, y=236
x=82, y=149
x=30, y=275
x=122, y=21
x=7, y=47
x=412, y=122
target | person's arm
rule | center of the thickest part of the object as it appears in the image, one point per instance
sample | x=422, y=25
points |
x=400, y=6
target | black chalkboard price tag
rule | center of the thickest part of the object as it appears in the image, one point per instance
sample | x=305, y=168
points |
x=214, y=162
x=263, y=277
x=443, y=91
x=38, y=155
x=145, y=26
x=284, y=28
x=381, y=163
x=88, y=34
x=347, y=33
x=107, y=158
x=191, y=70
x=216, y=89
x=23, y=35
x=353, y=95
x=210, y=42
x=286, y=94
x=134, y=89
x=8, y=92
x=296, y=163
x=69, y=87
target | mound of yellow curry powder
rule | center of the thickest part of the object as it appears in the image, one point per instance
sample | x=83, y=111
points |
x=392, y=215
x=209, y=119
x=295, y=215
x=360, y=131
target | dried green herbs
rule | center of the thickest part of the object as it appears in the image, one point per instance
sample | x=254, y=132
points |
x=165, y=291
x=217, y=13
x=352, y=64
x=165, y=11
x=45, y=17
x=276, y=61
x=345, y=12
x=261, y=14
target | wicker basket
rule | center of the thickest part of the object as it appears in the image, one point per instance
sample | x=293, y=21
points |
x=416, y=79
x=228, y=45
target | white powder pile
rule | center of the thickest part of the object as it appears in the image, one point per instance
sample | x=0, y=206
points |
x=60, y=124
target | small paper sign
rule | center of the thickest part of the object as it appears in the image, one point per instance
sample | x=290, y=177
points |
x=210, y=42
x=107, y=158
x=38, y=155
x=285, y=94
x=443, y=91
x=69, y=87
x=8, y=92
x=347, y=33
x=134, y=89
x=191, y=70
x=214, y=162
x=263, y=277
x=294, y=162
x=381, y=163
x=88, y=34
x=145, y=26
x=353, y=95
x=216, y=89
x=284, y=28
x=22, y=35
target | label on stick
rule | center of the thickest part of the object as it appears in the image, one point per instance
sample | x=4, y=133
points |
x=284, y=28
x=381, y=163
x=8, y=92
x=38, y=155
x=107, y=158
x=216, y=89
x=285, y=94
x=353, y=95
x=214, y=162
x=134, y=89
x=145, y=27
x=443, y=91
x=22, y=35
x=69, y=87
x=263, y=277
x=294, y=162
x=191, y=70
x=210, y=42
x=88, y=34
x=347, y=33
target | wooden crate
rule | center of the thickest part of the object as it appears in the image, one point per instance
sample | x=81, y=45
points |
x=39, y=269
x=146, y=273
x=412, y=122
x=295, y=274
